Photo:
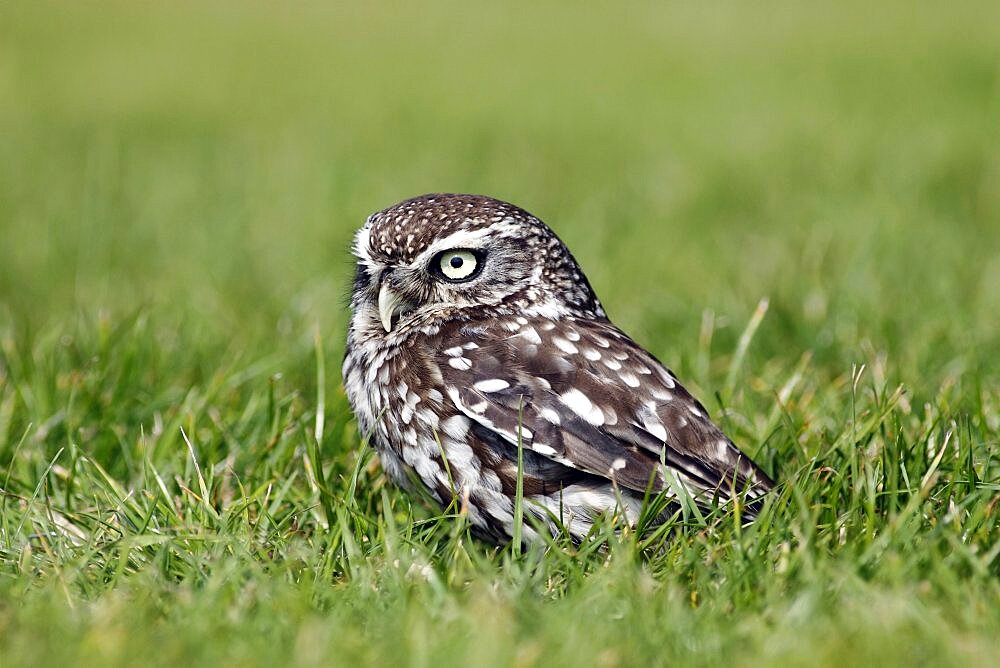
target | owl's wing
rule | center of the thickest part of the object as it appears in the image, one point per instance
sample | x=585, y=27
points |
x=582, y=393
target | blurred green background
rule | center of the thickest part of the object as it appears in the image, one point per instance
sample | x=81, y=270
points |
x=179, y=183
x=212, y=159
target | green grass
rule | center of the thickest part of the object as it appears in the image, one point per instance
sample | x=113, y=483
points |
x=182, y=481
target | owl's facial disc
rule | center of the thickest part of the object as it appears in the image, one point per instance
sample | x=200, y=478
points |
x=433, y=278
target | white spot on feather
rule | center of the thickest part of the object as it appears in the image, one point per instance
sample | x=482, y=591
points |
x=656, y=429
x=564, y=345
x=550, y=415
x=460, y=456
x=580, y=404
x=661, y=395
x=456, y=426
x=460, y=363
x=722, y=450
x=531, y=335
x=429, y=417
x=601, y=341
x=548, y=309
x=629, y=378
x=491, y=385
x=610, y=416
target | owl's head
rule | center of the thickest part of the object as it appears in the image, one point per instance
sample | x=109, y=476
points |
x=437, y=255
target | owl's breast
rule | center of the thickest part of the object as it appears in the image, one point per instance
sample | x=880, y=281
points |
x=394, y=392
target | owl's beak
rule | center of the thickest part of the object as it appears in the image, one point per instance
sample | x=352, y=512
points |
x=390, y=304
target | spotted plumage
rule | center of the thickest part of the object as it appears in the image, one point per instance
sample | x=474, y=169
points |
x=474, y=331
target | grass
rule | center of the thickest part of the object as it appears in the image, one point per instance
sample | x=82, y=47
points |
x=182, y=480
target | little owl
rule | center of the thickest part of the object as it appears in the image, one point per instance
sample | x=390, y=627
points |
x=475, y=336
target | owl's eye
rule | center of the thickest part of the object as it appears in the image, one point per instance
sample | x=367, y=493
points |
x=457, y=264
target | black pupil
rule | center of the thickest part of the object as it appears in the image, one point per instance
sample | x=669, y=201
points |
x=456, y=261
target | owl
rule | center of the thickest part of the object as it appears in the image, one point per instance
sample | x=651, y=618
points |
x=475, y=337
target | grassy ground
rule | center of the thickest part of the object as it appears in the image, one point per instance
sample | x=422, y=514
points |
x=181, y=480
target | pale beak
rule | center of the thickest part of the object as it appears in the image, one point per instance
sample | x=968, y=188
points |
x=390, y=303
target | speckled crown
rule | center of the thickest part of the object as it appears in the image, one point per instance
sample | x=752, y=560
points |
x=405, y=230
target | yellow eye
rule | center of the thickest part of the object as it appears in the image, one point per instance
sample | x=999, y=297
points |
x=457, y=264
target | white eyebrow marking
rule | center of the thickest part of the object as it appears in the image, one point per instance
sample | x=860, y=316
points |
x=459, y=239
